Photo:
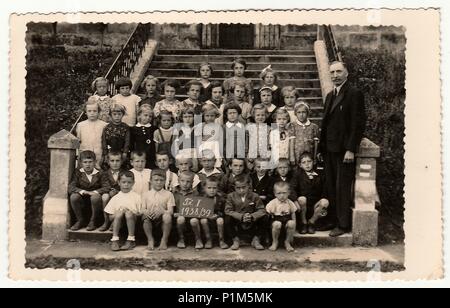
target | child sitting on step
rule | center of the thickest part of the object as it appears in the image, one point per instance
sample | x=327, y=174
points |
x=110, y=178
x=239, y=66
x=169, y=103
x=86, y=189
x=100, y=87
x=266, y=96
x=151, y=86
x=128, y=100
x=236, y=167
x=208, y=162
x=157, y=210
x=126, y=205
x=313, y=194
x=205, y=71
x=185, y=190
x=211, y=191
x=90, y=131
x=283, y=216
x=245, y=214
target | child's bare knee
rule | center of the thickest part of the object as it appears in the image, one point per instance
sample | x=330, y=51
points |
x=204, y=222
x=220, y=222
x=181, y=220
x=195, y=222
x=129, y=215
x=324, y=203
x=167, y=218
x=105, y=198
x=291, y=225
x=302, y=201
x=276, y=225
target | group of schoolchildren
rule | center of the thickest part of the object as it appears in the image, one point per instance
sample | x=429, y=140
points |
x=128, y=173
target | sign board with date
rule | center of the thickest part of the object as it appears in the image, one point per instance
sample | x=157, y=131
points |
x=196, y=207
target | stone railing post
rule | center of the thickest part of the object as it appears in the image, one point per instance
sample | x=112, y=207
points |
x=63, y=146
x=365, y=216
x=323, y=67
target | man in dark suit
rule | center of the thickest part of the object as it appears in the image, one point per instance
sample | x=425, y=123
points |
x=342, y=130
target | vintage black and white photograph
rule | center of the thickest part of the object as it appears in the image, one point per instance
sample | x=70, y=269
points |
x=215, y=147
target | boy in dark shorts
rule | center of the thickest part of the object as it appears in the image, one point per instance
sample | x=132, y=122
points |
x=313, y=195
x=245, y=213
x=282, y=211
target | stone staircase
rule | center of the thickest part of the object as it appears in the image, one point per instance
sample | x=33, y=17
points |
x=295, y=67
x=299, y=68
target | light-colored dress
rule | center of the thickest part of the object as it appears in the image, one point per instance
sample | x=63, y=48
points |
x=131, y=104
x=104, y=103
x=90, y=135
x=173, y=107
x=124, y=202
x=258, y=141
x=280, y=141
x=141, y=181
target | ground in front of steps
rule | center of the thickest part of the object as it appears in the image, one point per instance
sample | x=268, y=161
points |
x=98, y=256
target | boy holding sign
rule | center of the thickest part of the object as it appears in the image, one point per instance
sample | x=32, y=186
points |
x=183, y=192
x=211, y=191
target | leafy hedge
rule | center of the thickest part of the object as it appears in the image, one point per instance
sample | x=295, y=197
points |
x=57, y=84
x=381, y=76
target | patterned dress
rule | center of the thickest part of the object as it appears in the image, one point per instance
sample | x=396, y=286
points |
x=304, y=138
x=105, y=104
x=116, y=138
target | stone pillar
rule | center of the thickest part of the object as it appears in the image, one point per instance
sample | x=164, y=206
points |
x=365, y=216
x=323, y=66
x=63, y=146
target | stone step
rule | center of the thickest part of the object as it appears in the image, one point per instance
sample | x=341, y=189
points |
x=313, y=102
x=311, y=85
x=320, y=239
x=93, y=236
x=237, y=52
x=230, y=58
x=220, y=65
x=181, y=72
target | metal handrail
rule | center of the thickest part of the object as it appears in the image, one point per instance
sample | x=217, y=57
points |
x=126, y=60
x=326, y=33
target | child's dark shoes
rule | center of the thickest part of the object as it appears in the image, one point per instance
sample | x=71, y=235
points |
x=129, y=245
x=91, y=227
x=304, y=230
x=115, y=246
x=77, y=226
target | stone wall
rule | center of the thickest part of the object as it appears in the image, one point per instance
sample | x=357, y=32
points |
x=178, y=36
x=389, y=38
x=92, y=35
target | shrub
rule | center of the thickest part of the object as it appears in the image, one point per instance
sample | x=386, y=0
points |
x=381, y=76
x=57, y=84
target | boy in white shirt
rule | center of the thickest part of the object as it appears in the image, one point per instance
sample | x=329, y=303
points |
x=282, y=211
x=141, y=175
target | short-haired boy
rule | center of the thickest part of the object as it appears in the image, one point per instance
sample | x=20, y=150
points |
x=262, y=182
x=313, y=194
x=283, y=214
x=141, y=174
x=163, y=163
x=110, y=178
x=208, y=162
x=185, y=190
x=211, y=191
x=245, y=213
x=125, y=205
x=185, y=164
x=157, y=210
x=86, y=188
x=237, y=167
x=284, y=173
